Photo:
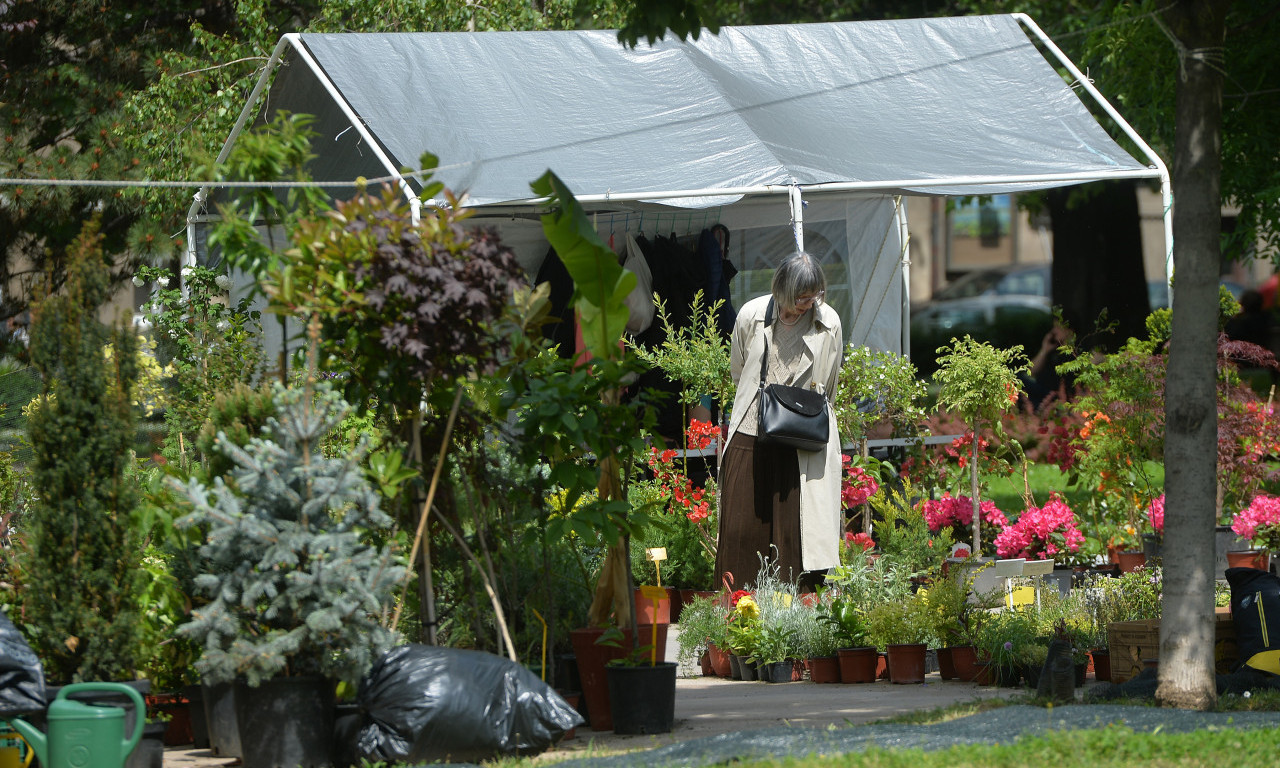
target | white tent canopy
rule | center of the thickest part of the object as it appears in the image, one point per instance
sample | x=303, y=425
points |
x=746, y=127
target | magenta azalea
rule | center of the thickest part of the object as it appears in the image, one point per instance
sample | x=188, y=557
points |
x=957, y=511
x=1260, y=522
x=1041, y=533
x=1155, y=514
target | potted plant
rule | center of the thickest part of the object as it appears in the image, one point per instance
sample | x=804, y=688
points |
x=1000, y=639
x=820, y=642
x=905, y=630
x=1259, y=524
x=296, y=587
x=703, y=629
x=642, y=688
x=744, y=634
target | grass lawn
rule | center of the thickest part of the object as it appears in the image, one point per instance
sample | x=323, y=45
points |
x=1043, y=479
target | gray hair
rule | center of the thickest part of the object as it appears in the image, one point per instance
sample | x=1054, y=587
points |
x=797, y=275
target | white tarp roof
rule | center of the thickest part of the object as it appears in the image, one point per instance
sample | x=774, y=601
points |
x=942, y=106
x=845, y=112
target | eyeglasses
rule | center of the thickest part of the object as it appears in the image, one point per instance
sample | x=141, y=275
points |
x=814, y=299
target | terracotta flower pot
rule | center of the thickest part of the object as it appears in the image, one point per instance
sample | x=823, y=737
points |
x=1259, y=559
x=824, y=669
x=946, y=664
x=964, y=658
x=721, y=664
x=857, y=665
x=1101, y=664
x=906, y=662
x=1131, y=560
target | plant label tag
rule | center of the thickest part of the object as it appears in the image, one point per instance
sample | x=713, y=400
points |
x=656, y=553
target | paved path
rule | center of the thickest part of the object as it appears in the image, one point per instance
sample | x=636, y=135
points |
x=714, y=706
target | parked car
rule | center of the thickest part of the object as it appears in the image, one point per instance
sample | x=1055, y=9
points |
x=1004, y=306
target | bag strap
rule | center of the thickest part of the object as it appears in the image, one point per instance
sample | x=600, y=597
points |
x=764, y=359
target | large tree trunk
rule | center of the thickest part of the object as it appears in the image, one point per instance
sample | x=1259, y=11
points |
x=1097, y=260
x=1190, y=455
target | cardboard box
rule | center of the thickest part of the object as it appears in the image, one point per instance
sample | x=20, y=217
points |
x=1130, y=642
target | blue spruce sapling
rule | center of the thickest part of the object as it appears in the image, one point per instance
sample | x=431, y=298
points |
x=295, y=586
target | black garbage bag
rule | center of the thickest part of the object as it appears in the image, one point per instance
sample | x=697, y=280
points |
x=1255, y=611
x=427, y=704
x=21, y=676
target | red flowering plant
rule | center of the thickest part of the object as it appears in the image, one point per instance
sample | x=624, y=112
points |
x=854, y=547
x=1042, y=533
x=1260, y=522
x=686, y=525
x=1155, y=514
x=857, y=484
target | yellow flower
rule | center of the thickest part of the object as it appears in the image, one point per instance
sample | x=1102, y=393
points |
x=748, y=608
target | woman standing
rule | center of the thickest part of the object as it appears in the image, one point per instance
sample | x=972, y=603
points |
x=773, y=494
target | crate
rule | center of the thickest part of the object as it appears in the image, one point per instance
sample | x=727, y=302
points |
x=1130, y=642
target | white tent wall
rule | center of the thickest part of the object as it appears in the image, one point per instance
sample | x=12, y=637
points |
x=858, y=240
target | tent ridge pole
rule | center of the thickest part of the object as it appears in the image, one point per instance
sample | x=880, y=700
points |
x=1166, y=188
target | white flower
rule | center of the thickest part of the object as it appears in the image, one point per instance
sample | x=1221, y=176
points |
x=223, y=282
x=163, y=282
x=223, y=325
x=186, y=271
x=1246, y=694
x=137, y=281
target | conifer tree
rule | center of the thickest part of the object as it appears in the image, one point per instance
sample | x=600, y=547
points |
x=295, y=587
x=80, y=571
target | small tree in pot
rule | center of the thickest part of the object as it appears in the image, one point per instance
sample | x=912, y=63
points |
x=296, y=590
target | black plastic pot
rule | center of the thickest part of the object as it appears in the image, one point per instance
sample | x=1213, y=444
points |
x=286, y=722
x=643, y=698
x=220, y=719
x=199, y=721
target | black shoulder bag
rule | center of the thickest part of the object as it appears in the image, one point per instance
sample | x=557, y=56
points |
x=794, y=416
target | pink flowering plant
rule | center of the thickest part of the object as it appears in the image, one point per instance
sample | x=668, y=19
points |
x=856, y=484
x=956, y=514
x=1042, y=533
x=1155, y=514
x=1260, y=522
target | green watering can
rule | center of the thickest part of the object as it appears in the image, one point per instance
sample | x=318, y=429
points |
x=82, y=735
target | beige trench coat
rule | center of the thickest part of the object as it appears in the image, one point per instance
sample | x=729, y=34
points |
x=819, y=470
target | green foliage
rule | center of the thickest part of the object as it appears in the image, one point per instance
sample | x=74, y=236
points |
x=903, y=535
x=702, y=622
x=560, y=414
x=1004, y=636
x=279, y=151
x=600, y=284
x=978, y=381
x=696, y=355
x=1131, y=597
x=294, y=587
x=901, y=621
x=81, y=576
x=885, y=382
x=845, y=618
x=868, y=583
x=400, y=305
x=206, y=343
x=236, y=415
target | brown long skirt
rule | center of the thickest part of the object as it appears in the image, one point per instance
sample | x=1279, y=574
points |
x=759, y=506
